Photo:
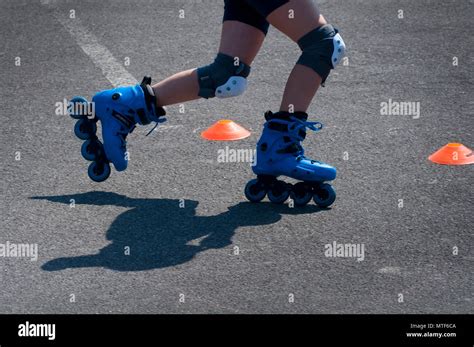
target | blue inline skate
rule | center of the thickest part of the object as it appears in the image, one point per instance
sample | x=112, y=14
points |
x=118, y=110
x=279, y=153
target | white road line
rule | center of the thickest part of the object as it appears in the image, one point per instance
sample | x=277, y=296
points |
x=100, y=55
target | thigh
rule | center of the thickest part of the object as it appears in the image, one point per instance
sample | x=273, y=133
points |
x=243, y=31
x=294, y=18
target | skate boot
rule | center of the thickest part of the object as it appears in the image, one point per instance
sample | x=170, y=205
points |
x=279, y=153
x=118, y=110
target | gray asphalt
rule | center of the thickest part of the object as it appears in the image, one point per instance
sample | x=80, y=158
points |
x=190, y=251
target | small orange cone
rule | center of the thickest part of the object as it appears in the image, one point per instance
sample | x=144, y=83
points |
x=453, y=154
x=225, y=130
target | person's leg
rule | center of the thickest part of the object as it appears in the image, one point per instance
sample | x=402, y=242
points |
x=238, y=39
x=279, y=149
x=120, y=109
x=295, y=19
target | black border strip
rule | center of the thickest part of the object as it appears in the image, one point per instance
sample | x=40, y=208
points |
x=314, y=330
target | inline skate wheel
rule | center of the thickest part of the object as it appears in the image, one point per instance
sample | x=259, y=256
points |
x=85, y=129
x=301, y=193
x=99, y=171
x=278, y=193
x=324, y=195
x=255, y=191
x=78, y=107
x=91, y=149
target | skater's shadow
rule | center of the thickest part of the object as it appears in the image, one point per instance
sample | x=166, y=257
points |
x=158, y=233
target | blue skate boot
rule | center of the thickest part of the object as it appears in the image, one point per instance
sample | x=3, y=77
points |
x=118, y=110
x=279, y=153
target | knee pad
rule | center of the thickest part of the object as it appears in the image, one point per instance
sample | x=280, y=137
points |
x=223, y=78
x=322, y=49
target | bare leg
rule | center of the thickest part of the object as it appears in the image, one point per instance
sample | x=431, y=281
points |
x=237, y=40
x=241, y=40
x=182, y=86
x=303, y=81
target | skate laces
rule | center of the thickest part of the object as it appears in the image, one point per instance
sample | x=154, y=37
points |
x=300, y=124
x=124, y=131
x=294, y=127
x=157, y=122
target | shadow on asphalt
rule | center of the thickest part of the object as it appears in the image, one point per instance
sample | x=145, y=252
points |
x=157, y=232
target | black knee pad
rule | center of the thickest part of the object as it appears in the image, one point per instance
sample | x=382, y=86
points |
x=322, y=49
x=224, y=78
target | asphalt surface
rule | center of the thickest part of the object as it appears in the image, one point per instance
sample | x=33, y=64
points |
x=181, y=214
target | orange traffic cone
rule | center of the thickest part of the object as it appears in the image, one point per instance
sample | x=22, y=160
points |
x=225, y=130
x=453, y=154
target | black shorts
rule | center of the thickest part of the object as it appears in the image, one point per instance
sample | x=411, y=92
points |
x=252, y=12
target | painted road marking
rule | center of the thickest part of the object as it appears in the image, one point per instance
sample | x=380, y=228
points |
x=99, y=54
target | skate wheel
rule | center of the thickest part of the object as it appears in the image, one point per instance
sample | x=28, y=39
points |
x=99, y=171
x=255, y=191
x=91, y=149
x=324, y=195
x=278, y=193
x=301, y=193
x=78, y=107
x=84, y=129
